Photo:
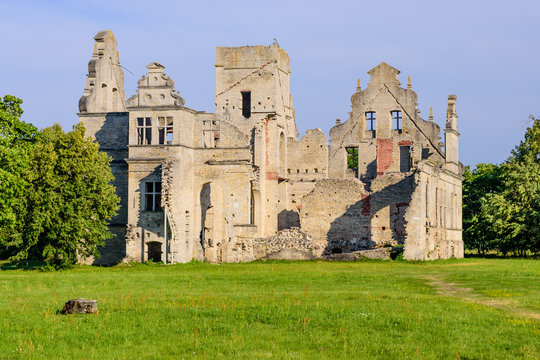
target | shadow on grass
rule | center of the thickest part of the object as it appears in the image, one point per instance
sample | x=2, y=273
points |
x=495, y=255
x=24, y=265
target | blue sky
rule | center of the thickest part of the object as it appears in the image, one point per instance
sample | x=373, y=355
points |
x=486, y=52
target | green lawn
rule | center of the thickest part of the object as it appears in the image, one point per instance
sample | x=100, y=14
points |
x=458, y=309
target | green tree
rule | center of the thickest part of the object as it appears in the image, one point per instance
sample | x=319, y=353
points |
x=71, y=200
x=501, y=203
x=56, y=196
x=479, y=185
x=515, y=212
x=16, y=141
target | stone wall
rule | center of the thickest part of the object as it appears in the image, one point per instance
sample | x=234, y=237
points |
x=288, y=239
x=333, y=214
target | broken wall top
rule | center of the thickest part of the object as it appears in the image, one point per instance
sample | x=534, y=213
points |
x=104, y=85
x=252, y=57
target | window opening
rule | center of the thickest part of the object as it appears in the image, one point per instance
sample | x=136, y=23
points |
x=165, y=129
x=251, y=204
x=352, y=159
x=427, y=201
x=211, y=133
x=144, y=131
x=437, y=214
x=152, y=196
x=397, y=120
x=405, y=158
x=455, y=222
x=246, y=104
x=371, y=122
x=441, y=214
x=444, y=209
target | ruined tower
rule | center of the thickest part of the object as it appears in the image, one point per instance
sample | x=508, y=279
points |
x=102, y=110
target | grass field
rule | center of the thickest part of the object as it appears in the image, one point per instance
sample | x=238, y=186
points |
x=456, y=309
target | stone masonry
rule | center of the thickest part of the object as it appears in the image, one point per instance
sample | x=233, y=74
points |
x=238, y=184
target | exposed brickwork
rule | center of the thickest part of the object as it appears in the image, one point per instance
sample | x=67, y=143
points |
x=366, y=205
x=384, y=155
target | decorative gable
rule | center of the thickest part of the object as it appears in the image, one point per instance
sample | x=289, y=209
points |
x=156, y=89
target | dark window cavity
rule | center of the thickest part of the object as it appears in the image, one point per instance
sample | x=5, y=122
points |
x=404, y=158
x=246, y=104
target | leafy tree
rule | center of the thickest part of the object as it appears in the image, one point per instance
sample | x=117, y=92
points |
x=71, y=199
x=479, y=185
x=501, y=203
x=55, y=191
x=16, y=141
x=515, y=212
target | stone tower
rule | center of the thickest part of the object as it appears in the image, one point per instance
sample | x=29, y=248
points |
x=253, y=82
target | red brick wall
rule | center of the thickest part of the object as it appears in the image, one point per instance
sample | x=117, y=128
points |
x=366, y=205
x=384, y=155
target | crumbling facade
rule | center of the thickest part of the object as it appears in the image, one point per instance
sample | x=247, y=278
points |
x=237, y=184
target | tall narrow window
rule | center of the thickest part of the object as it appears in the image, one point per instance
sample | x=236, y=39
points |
x=397, y=120
x=445, y=209
x=371, y=124
x=210, y=133
x=456, y=209
x=246, y=104
x=152, y=196
x=251, y=204
x=352, y=159
x=451, y=211
x=144, y=131
x=441, y=213
x=427, y=201
x=165, y=130
x=404, y=158
x=437, y=214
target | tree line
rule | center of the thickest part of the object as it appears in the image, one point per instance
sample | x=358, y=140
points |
x=56, y=196
x=501, y=202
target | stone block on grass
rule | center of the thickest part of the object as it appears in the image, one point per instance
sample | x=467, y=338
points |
x=80, y=306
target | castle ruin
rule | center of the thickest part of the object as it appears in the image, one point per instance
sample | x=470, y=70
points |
x=238, y=185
